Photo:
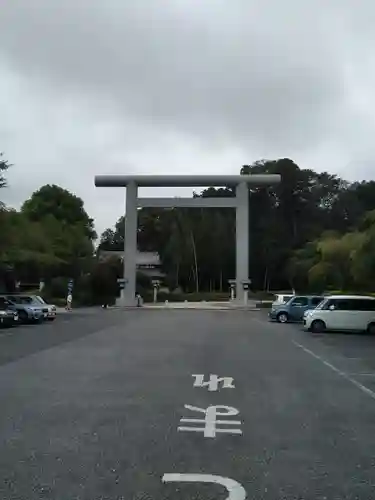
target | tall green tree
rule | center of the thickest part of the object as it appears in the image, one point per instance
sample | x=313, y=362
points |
x=64, y=206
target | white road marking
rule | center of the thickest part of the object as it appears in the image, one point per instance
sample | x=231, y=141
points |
x=210, y=422
x=236, y=490
x=339, y=372
x=213, y=383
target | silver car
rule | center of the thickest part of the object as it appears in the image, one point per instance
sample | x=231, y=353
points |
x=27, y=313
x=49, y=310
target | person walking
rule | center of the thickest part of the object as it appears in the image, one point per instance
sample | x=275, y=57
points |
x=69, y=300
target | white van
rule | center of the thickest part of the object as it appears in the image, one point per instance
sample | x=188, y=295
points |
x=354, y=313
x=282, y=298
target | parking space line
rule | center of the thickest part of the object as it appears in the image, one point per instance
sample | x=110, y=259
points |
x=339, y=372
x=235, y=489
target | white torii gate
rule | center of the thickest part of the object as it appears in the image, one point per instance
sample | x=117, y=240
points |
x=240, y=202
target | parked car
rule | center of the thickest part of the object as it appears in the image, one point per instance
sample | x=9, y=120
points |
x=8, y=317
x=49, y=310
x=294, y=309
x=282, y=298
x=354, y=313
x=27, y=313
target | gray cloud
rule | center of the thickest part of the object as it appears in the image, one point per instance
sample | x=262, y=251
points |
x=94, y=86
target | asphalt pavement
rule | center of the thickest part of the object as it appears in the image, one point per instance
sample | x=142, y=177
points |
x=91, y=408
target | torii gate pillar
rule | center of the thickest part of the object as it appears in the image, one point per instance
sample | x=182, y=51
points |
x=240, y=203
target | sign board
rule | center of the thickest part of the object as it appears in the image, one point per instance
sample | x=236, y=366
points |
x=122, y=282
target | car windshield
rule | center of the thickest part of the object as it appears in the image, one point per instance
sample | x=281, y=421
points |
x=40, y=299
x=288, y=299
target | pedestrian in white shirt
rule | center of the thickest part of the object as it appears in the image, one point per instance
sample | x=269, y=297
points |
x=69, y=300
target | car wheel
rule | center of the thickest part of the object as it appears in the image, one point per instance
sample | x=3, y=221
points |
x=282, y=317
x=371, y=329
x=318, y=326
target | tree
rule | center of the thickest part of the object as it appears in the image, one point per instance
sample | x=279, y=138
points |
x=351, y=204
x=64, y=206
x=286, y=216
x=338, y=261
x=67, y=227
x=4, y=165
x=27, y=247
x=363, y=266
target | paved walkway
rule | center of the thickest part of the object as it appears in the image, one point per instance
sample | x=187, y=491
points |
x=201, y=305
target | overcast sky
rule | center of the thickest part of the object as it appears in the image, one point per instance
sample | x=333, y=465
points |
x=181, y=86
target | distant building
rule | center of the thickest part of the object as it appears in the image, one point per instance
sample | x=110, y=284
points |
x=147, y=262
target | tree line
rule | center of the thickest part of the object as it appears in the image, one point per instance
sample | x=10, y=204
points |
x=312, y=232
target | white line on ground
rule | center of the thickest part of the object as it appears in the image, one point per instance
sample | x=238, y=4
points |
x=339, y=372
x=235, y=490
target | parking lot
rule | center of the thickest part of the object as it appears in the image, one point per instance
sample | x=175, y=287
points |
x=182, y=405
x=351, y=353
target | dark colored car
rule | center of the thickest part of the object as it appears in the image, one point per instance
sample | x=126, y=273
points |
x=8, y=317
x=294, y=309
x=27, y=313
